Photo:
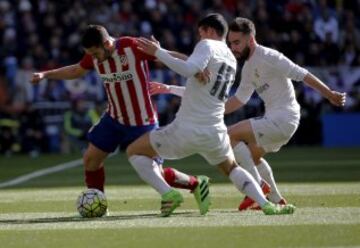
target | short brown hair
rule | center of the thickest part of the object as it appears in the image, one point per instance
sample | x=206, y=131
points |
x=243, y=25
x=215, y=21
x=94, y=35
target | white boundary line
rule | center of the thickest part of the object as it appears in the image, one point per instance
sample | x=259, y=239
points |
x=47, y=171
x=42, y=172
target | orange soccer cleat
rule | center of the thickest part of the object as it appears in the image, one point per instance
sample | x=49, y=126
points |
x=249, y=203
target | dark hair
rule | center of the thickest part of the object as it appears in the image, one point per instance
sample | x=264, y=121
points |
x=94, y=35
x=215, y=21
x=243, y=25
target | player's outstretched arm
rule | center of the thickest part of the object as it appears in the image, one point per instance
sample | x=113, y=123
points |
x=67, y=72
x=172, y=53
x=160, y=88
x=335, y=97
x=178, y=55
x=181, y=67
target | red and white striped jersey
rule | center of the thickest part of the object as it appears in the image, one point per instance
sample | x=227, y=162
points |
x=126, y=79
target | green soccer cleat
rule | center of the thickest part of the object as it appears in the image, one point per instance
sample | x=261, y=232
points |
x=170, y=201
x=201, y=194
x=275, y=209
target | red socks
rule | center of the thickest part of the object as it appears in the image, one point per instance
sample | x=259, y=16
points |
x=95, y=179
x=178, y=179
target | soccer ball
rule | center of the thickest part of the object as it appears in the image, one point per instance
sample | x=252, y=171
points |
x=91, y=203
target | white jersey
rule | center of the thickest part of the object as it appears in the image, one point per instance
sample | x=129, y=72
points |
x=268, y=72
x=204, y=104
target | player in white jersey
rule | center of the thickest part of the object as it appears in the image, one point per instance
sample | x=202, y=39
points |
x=198, y=127
x=269, y=73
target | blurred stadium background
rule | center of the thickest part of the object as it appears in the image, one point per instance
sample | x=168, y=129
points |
x=321, y=35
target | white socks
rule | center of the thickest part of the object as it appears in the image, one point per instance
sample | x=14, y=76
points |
x=247, y=185
x=149, y=171
x=244, y=158
x=266, y=173
x=261, y=171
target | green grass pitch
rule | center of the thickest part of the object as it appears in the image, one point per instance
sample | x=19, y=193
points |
x=323, y=183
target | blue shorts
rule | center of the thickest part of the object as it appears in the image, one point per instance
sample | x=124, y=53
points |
x=109, y=134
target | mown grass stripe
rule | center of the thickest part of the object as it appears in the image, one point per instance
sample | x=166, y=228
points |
x=183, y=218
x=146, y=192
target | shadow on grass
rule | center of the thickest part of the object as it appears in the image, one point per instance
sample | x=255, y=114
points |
x=66, y=219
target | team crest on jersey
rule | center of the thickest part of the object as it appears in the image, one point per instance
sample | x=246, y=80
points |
x=123, y=59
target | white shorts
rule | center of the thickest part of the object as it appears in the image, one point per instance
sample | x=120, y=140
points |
x=272, y=133
x=176, y=141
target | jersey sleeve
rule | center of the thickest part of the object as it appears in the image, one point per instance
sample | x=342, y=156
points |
x=287, y=68
x=197, y=61
x=245, y=90
x=179, y=66
x=201, y=55
x=87, y=62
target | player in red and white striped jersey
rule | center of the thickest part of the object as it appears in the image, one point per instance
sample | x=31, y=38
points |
x=125, y=77
x=124, y=71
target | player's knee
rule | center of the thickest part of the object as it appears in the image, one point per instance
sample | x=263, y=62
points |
x=86, y=158
x=256, y=152
x=131, y=150
x=230, y=131
x=90, y=162
x=141, y=146
x=233, y=141
x=227, y=166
